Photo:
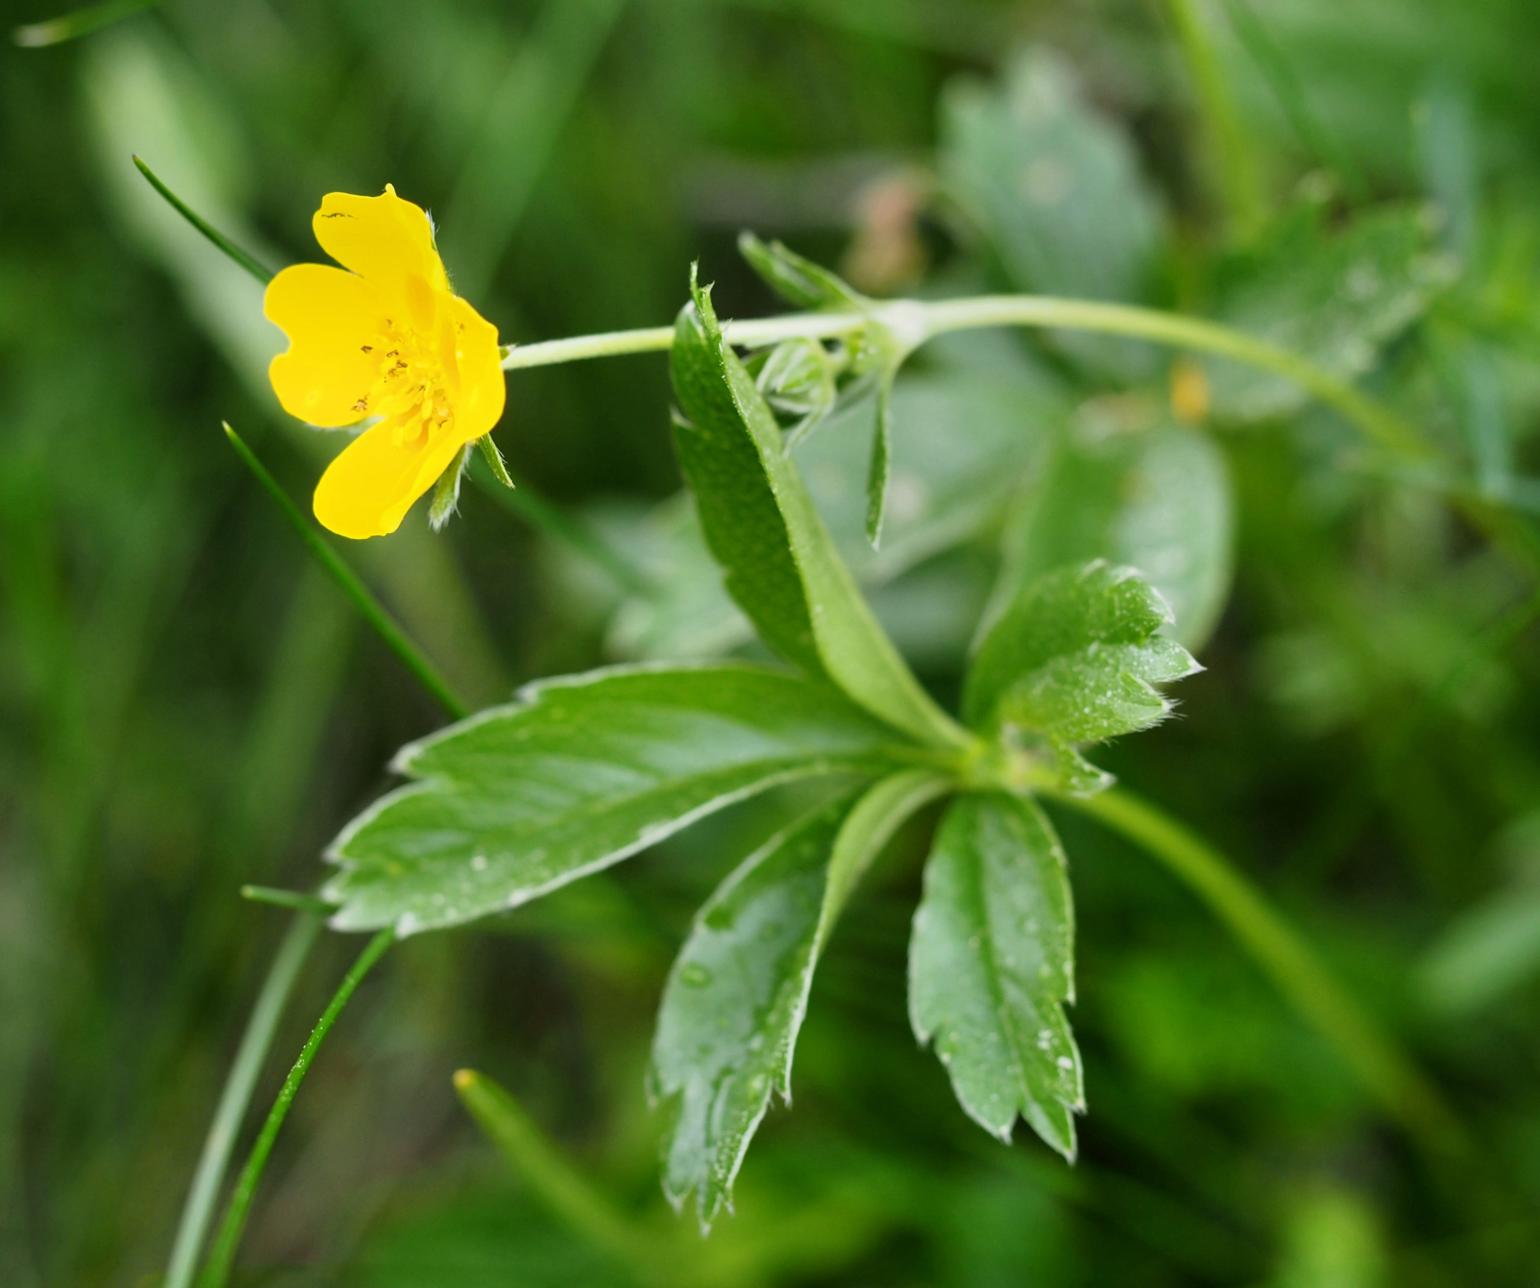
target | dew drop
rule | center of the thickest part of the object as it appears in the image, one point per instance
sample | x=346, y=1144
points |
x=695, y=975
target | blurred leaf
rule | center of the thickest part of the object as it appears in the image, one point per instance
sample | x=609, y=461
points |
x=738, y=992
x=1485, y=953
x=991, y=964
x=1155, y=498
x=1334, y=298
x=1076, y=659
x=964, y=446
x=797, y=280
x=760, y=523
x=1056, y=191
x=581, y=773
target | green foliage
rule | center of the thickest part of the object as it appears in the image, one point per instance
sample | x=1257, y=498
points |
x=184, y=709
x=878, y=353
x=777, y=556
x=1334, y=296
x=1056, y=191
x=1155, y=496
x=965, y=445
x=991, y=964
x=798, y=380
x=581, y=773
x=1076, y=660
x=738, y=992
x=798, y=280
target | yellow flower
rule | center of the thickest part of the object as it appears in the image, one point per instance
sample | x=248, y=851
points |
x=382, y=338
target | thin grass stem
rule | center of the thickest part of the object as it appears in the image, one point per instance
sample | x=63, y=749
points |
x=216, y=1271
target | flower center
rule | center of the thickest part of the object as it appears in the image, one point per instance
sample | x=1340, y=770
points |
x=408, y=389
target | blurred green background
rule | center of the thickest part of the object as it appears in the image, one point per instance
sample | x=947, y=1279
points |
x=187, y=705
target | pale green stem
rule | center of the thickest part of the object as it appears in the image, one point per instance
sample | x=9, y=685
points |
x=1287, y=960
x=654, y=339
x=1230, y=150
x=921, y=320
x=217, y=1146
x=1180, y=332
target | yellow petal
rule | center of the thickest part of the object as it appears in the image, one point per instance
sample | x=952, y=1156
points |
x=367, y=490
x=478, y=367
x=386, y=240
x=328, y=316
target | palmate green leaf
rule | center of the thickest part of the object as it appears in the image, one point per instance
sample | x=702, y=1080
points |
x=779, y=561
x=1055, y=190
x=991, y=964
x=1156, y=498
x=1076, y=660
x=738, y=991
x=1335, y=298
x=580, y=773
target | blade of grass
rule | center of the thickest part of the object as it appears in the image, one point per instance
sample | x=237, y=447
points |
x=1290, y=95
x=533, y=103
x=249, y=262
x=353, y=587
x=216, y=1271
x=77, y=23
x=233, y=1101
x=1233, y=154
x=277, y=897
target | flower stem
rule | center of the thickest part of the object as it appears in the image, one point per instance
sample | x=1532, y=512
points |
x=1178, y=331
x=1288, y=961
x=216, y=1271
x=934, y=318
x=236, y=1096
x=655, y=339
x=374, y=612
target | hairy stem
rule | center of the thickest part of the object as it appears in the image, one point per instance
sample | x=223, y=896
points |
x=931, y=318
x=1288, y=961
x=216, y=1272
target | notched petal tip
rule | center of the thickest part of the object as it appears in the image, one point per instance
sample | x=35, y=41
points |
x=384, y=239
